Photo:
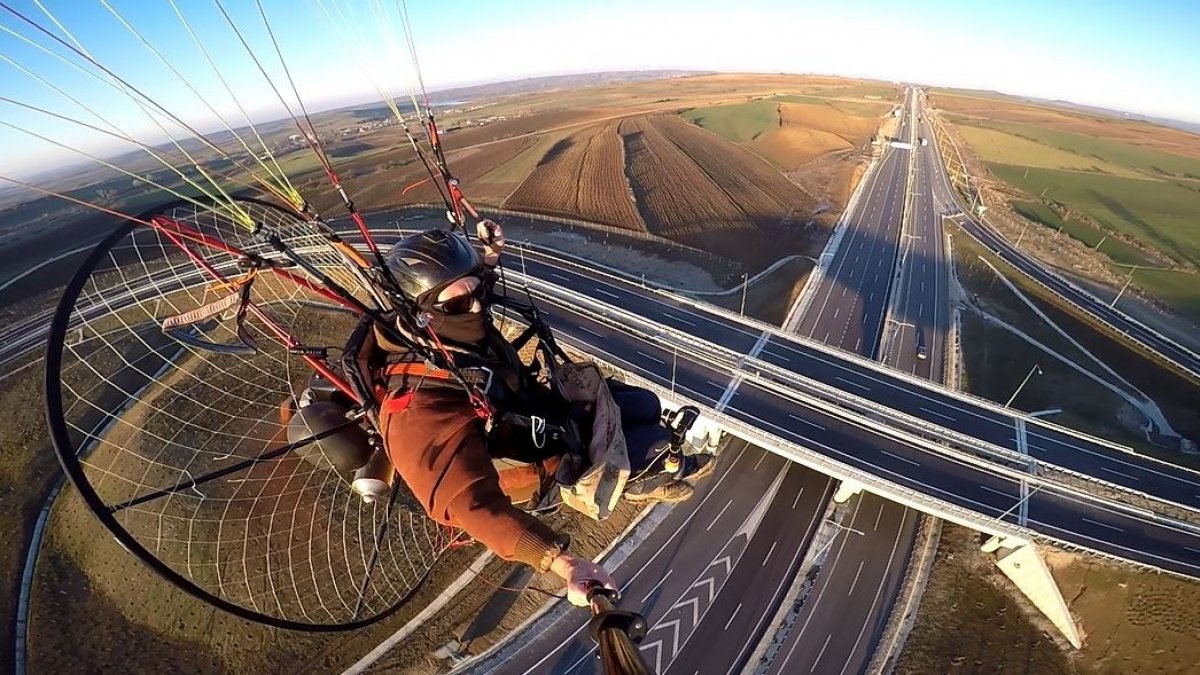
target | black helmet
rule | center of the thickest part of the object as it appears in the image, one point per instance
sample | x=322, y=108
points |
x=425, y=263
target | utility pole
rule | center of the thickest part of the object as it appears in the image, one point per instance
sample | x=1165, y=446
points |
x=1038, y=370
x=1102, y=240
x=1018, y=244
x=745, y=283
x=1127, y=280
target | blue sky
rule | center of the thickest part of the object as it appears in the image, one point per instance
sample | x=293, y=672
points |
x=1131, y=56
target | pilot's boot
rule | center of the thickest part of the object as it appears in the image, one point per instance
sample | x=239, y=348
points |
x=697, y=467
x=658, y=488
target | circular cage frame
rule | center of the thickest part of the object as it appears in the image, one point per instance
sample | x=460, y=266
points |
x=73, y=467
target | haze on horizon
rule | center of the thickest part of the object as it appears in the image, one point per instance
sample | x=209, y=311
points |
x=1137, y=59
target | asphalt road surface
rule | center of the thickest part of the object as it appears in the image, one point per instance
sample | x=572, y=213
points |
x=849, y=604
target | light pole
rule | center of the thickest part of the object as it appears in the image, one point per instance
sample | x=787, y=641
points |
x=1102, y=240
x=1038, y=370
x=833, y=539
x=745, y=283
x=674, y=364
x=1018, y=244
x=1122, y=292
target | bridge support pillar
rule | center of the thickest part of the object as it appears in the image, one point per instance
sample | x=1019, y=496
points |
x=1023, y=564
x=846, y=490
x=997, y=542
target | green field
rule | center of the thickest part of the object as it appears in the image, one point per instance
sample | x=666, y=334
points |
x=1161, y=214
x=1116, y=249
x=1175, y=288
x=1002, y=147
x=884, y=92
x=857, y=109
x=740, y=123
x=1152, y=163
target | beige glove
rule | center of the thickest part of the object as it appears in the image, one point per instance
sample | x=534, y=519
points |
x=492, y=237
x=580, y=573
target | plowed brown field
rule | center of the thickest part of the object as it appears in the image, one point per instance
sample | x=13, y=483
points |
x=581, y=176
x=763, y=194
x=660, y=174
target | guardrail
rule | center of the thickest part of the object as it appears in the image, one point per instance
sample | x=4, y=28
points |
x=814, y=387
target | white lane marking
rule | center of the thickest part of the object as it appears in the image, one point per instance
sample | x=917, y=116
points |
x=714, y=520
x=1096, y=522
x=657, y=586
x=852, y=384
x=642, y=353
x=556, y=275
x=589, y=330
x=680, y=319
x=820, y=654
x=611, y=295
x=634, y=577
x=714, y=384
x=879, y=516
x=797, y=499
x=1119, y=473
x=811, y=424
x=760, y=461
x=902, y=459
x=937, y=414
x=732, y=616
x=998, y=492
x=856, y=575
x=773, y=544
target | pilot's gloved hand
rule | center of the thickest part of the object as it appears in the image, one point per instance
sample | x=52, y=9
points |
x=581, y=574
x=492, y=236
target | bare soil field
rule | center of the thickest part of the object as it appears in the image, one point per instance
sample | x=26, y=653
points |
x=972, y=620
x=582, y=176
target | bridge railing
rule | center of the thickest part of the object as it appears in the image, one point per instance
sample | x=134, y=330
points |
x=732, y=359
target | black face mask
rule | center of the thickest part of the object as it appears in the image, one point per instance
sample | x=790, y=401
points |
x=464, y=329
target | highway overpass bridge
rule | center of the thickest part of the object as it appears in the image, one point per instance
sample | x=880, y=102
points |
x=952, y=473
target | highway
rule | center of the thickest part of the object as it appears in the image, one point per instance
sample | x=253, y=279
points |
x=846, y=309
x=1060, y=513
x=1185, y=359
x=840, y=622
